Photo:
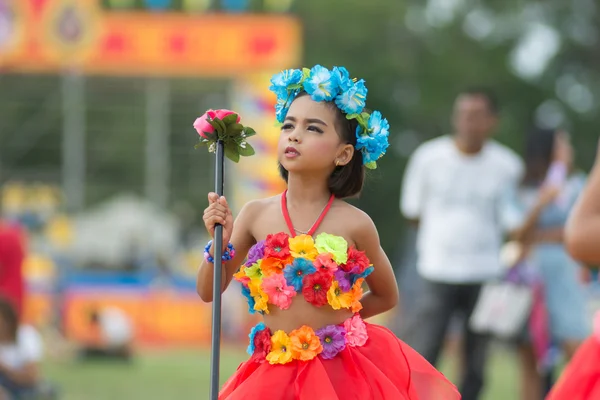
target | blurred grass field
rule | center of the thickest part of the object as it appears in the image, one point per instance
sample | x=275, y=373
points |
x=185, y=374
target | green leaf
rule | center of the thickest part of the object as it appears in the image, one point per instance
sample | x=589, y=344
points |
x=366, y=116
x=305, y=73
x=295, y=86
x=230, y=119
x=371, y=165
x=247, y=150
x=232, y=154
x=200, y=144
x=351, y=116
x=222, y=126
x=214, y=124
x=210, y=136
x=249, y=131
x=235, y=130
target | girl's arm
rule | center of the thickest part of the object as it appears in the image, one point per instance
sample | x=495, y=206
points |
x=526, y=232
x=582, y=231
x=241, y=239
x=383, y=290
x=549, y=235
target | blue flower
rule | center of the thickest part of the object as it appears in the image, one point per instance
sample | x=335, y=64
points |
x=363, y=274
x=374, y=143
x=295, y=273
x=343, y=77
x=283, y=105
x=378, y=125
x=257, y=328
x=251, y=302
x=321, y=84
x=352, y=100
x=281, y=81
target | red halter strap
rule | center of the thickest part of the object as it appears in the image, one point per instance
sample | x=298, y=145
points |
x=288, y=220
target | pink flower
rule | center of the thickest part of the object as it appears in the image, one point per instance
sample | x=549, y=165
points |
x=325, y=262
x=356, y=331
x=223, y=113
x=278, y=291
x=203, y=127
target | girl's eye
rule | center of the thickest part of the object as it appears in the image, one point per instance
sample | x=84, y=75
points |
x=286, y=127
x=315, y=129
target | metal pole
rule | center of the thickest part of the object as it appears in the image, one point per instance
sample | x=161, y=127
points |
x=158, y=149
x=73, y=139
x=217, y=285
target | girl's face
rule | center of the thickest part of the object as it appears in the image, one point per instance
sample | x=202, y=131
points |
x=309, y=140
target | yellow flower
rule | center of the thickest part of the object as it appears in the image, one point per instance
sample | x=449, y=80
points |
x=281, y=347
x=303, y=246
x=254, y=271
x=260, y=304
x=260, y=297
x=338, y=299
x=336, y=245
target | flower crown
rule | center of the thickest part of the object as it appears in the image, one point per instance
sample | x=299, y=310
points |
x=349, y=95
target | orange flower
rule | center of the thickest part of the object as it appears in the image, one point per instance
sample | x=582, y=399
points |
x=272, y=265
x=357, y=293
x=305, y=344
x=240, y=276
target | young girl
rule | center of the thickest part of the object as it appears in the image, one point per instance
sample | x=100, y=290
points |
x=545, y=198
x=581, y=378
x=308, y=254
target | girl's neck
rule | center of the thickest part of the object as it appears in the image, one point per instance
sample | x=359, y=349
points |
x=305, y=190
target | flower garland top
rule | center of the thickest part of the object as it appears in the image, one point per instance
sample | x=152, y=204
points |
x=350, y=96
x=324, y=269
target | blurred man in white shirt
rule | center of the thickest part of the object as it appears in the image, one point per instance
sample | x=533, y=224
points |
x=453, y=190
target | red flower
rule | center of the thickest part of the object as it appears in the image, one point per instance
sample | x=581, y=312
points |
x=315, y=287
x=277, y=245
x=356, y=258
x=262, y=345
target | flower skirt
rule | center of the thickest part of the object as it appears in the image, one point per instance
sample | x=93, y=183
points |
x=383, y=368
x=581, y=378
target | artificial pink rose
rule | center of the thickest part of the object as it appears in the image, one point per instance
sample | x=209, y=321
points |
x=202, y=126
x=223, y=113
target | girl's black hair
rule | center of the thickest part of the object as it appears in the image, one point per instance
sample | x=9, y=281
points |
x=345, y=180
x=10, y=317
x=539, y=151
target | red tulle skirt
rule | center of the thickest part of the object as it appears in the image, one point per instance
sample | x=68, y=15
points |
x=581, y=378
x=383, y=368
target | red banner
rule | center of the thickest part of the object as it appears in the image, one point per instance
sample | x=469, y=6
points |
x=51, y=35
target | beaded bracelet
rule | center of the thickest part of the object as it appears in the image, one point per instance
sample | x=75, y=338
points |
x=227, y=255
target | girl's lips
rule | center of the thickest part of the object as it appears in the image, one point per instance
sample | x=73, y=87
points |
x=291, y=152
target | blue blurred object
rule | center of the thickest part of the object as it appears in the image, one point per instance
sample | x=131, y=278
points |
x=158, y=5
x=235, y=5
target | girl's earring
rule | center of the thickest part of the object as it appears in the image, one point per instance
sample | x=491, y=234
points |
x=337, y=163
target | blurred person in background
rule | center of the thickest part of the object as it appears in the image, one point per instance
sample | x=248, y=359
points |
x=21, y=352
x=581, y=378
x=545, y=197
x=452, y=189
x=113, y=331
x=12, y=255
